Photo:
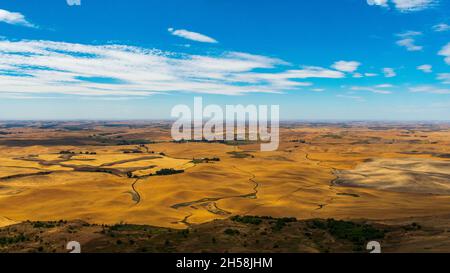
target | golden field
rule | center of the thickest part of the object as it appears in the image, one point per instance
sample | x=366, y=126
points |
x=102, y=174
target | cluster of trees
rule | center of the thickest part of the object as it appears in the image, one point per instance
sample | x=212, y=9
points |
x=255, y=220
x=299, y=140
x=66, y=152
x=88, y=153
x=168, y=171
x=357, y=233
x=73, y=153
x=204, y=160
x=13, y=240
x=212, y=159
x=277, y=223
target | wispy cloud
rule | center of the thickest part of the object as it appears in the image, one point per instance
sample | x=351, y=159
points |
x=46, y=67
x=404, y=5
x=441, y=27
x=370, y=74
x=14, y=18
x=389, y=72
x=409, y=44
x=408, y=41
x=409, y=33
x=346, y=66
x=378, y=89
x=193, y=36
x=427, y=68
x=444, y=78
x=383, y=3
x=313, y=72
x=445, y=51
x=429, y=89
x=413, y=5
x=384, y=85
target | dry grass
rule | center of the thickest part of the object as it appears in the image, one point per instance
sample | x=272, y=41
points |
x=294, y=181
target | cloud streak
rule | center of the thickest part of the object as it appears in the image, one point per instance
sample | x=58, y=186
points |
x=193, y=36
x=445, y=51
x=378, y=89
x=409, y=44
x=444, y=78
x=441, y=27
x=429, y=89
x=413, y=5
x=47, y=67
x=426, y=68
x=404, y=5
x=408, y=41
x=389, y=72
x=14, y=18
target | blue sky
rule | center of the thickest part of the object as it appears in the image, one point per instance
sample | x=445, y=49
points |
x=321, y=59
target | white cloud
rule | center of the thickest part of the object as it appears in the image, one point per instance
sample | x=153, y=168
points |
x=318, y=89
x=46, y=67
x=74, y=2
x=409, y=34
x=14, y=18
x=383, y=3
x=444, y=77
x=194, y=36
x=379, y=89
x=441, y=27
x=429, y=89
x=389, y=72
x=404, y=5
x=409, y=44
x=370, y=74
x=287, y=77
x=314, y=72
x=384, y=85
x=346, y=66
x=425, y=68
x=408, y=41
x=413, y=5
x=445, y=51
